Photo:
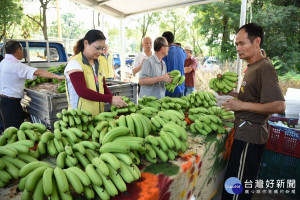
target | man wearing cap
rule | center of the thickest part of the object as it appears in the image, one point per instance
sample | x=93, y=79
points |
x=190, y=66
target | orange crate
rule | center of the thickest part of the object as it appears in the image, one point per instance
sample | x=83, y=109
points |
x=284, y=140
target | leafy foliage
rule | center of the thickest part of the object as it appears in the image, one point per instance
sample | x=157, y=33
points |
x=217, y=22
x=281, y=24
x=11, y=12
x=71, y=28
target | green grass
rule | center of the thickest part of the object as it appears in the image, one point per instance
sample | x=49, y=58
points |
x=290, y=76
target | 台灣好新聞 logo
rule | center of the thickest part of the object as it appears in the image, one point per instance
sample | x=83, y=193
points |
x=233, y=186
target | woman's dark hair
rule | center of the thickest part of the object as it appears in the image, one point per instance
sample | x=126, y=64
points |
x=253, y=31
x=12, y=46
x=159, y=42
x=91, y=36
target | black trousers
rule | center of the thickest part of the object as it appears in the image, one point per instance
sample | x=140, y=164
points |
x=11, y=112
x=244, y=162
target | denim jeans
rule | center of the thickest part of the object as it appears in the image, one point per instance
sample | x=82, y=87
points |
x=188, y=90
x=178, y=95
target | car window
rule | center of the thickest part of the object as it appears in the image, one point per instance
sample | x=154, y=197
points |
x=39, y=54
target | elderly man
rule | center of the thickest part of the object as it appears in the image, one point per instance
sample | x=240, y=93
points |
x=138, y=62
x=153, y=75
x=13, y=74
x=107, y=64
x=190, y=66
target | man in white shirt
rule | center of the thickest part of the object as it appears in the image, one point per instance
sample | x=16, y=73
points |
x=13, y=74
x=138, y=62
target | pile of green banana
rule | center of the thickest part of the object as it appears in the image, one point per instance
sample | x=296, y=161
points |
x=148, y=111
x=163, y=117
x=195, y=113
x=201, y=99
x=62, y=85
x=168, y=103
x=149, y=101
x=138, y=124
x=52, y=144
x=104, y=116
x=131, y=108
x=176, y=80
x=57, y=69
x=222, y=113
x=81, y=119
x=38, y=80
x=40, y=180
x=224, y=83
x=101, y=129
x=171, y=140
x=13, y=157
x=79, y=155
x=206, y=124
x=27, y=131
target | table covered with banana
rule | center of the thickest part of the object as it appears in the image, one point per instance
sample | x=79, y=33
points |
x=171, y=148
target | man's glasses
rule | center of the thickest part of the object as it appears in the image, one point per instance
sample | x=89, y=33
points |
x=100, y=48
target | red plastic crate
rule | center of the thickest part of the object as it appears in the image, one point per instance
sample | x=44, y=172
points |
x=284, y=140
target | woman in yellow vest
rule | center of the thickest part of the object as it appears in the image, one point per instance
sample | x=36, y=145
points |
x=85, y=83
x=107, y=64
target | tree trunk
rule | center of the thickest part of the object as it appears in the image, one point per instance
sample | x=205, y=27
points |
x=225, y=35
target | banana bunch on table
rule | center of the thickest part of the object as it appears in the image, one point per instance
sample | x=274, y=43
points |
x=163, y=117
x=222, y=113
x=176, y=80
x=13, y=157
x=149, y=101
x=224, y=82
x=77, y=118
x=171, y=140
x=206, y=124
x=201, y=99
x=131, y=108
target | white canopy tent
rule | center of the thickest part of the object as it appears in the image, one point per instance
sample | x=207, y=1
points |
x=124, y=8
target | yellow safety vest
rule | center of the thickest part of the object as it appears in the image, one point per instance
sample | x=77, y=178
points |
x=93, y=107
x=107, y=65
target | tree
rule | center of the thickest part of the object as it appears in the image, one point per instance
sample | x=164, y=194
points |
x=11, y=12
x=175, y=21
x=42, y=20
x=72, y=28
x=281, y=22
x=217, y=22
x=145, y=21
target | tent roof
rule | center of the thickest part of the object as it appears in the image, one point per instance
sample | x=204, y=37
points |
x=125, y=8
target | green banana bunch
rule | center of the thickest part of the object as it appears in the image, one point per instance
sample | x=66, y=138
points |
x=206, y=124
x=149, y=101
x=221, y=113
x=38, y=80
x=105, y=116
x=176, y=80
x=148, y=111
x=202, y=98
x=224, y=82
x=178, y=104
x=131, y=108
x=62, y=85
x=163, y=117
x=75, y=118
x=10, y=165
x=58, y=70
x=27, y=131
x=166, y=146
